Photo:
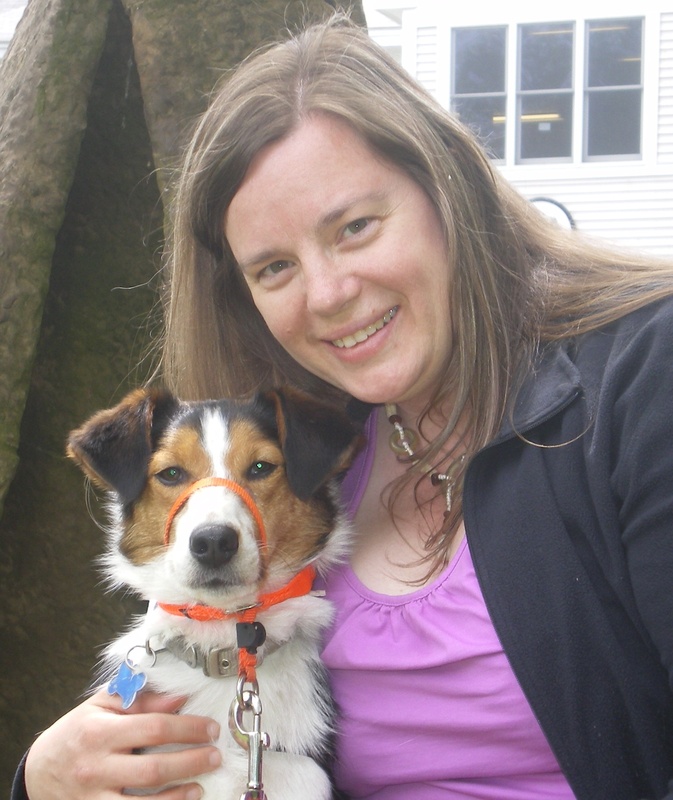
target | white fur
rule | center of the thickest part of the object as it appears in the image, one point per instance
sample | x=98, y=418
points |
x=296, y=713
x=291, y=714
x=216, y=441
x=209, y=505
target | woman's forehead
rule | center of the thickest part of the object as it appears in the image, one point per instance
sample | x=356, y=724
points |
x=320, y=172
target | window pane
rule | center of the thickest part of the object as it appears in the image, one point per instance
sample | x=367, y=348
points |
x=614, y=123
x=486, y=116
x=615, y=52
x=546, y=56
x=545, y=126
x=479, y=60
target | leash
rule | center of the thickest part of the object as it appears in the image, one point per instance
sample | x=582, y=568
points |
x=250, y=635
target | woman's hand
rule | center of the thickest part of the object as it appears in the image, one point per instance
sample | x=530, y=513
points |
x=88, y=753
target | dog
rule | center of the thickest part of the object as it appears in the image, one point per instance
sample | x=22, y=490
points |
x=221, y=513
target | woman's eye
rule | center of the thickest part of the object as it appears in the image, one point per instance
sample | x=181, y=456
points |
x=171, y=476
x=357, y=226
x=275, y=267
x=258, y=469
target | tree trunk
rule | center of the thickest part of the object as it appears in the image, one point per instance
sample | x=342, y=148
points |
x=96, y=101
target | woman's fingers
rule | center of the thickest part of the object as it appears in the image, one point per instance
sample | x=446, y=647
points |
x=144, y=703
x=91, y=752
x=186, y=791
x=150, y=770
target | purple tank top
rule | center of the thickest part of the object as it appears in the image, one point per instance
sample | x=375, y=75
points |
x=429, y=708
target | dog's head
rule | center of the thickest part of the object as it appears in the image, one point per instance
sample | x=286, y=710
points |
x=282, y=448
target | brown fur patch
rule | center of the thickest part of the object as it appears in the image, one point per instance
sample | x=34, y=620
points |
x=294, y=528
x=144, y=535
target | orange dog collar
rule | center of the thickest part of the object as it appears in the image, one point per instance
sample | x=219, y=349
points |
x=298, y=586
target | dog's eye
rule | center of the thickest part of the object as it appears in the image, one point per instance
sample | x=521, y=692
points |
x=260, y=468
x=171, y=475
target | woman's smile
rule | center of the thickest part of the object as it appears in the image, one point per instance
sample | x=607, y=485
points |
x=346, y=261
x=351, y=340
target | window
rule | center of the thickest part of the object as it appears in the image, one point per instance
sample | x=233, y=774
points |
x=547, y=116
x=613, y=99
x=545, y=97
x=479, y=95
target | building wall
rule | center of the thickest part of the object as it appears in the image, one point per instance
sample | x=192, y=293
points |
x=10, y=14
x=629, y=202
x=665, y=105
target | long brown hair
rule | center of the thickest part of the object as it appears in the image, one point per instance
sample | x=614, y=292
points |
x=519, y=279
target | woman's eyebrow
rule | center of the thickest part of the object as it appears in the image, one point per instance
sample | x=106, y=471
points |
x=265, y=256
x=340, y=211
x=328, y=219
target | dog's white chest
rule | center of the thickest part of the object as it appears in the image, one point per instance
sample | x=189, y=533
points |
x=272, y=742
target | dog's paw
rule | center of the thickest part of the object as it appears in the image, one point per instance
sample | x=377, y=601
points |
x=230, y=780
x=288, y=776
x=285, y=776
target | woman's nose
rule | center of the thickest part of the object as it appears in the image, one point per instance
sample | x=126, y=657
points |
x=329, y=286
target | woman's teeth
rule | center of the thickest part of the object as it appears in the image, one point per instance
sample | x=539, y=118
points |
x=362, y=335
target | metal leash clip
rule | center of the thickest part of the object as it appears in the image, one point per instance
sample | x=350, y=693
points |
x=254, y=741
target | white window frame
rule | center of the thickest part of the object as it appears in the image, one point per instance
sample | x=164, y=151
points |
x=578, y=90
x=504, y=93
x=445, y=16
x=586, y=91
x=514, y=87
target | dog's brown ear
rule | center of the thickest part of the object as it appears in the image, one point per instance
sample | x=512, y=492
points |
x=113, y=448
x=318, y=441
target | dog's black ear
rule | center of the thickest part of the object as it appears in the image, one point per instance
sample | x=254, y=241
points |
x=113, y=448
x=318, y=441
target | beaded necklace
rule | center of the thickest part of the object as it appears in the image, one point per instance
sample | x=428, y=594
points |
x=402, y=442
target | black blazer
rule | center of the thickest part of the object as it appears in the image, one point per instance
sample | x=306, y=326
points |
x=569, y=516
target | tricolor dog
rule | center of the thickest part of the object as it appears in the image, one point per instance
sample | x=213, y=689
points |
x=222, y=512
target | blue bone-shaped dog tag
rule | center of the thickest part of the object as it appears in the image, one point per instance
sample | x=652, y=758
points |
x=127, y=683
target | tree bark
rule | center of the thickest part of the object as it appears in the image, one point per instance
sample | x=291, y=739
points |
x=97, y=98
x=44, y=90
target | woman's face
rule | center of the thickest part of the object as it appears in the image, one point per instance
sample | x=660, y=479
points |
x=346, y=261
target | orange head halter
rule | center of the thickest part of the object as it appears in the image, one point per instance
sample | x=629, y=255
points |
x=227, y=484
x=298, y=586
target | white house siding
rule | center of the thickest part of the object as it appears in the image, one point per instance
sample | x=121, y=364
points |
x=628, y=203
x=426, y=58
x=665, y=127
x=633, y=212
x=388, y=37
x=11, y=12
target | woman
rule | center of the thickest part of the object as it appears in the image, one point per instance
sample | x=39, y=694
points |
x=504, y=626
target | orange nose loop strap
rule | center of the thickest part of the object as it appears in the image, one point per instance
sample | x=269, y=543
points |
x=298, y=586
x=227, y=484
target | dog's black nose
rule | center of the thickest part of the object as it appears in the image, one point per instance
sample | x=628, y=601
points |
x=213, y=545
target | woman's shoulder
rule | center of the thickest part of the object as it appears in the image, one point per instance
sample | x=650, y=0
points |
x=18, y=791
x=630, y=357
x=651, y=315
x=645, y=331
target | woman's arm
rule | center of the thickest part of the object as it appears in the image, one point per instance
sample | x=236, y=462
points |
x=89, y=754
